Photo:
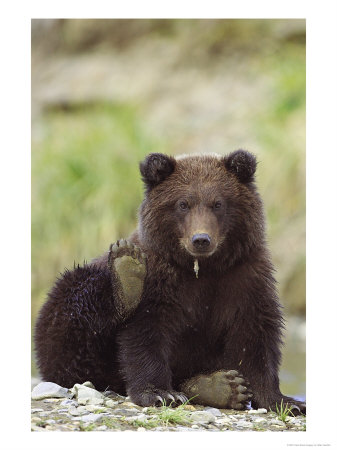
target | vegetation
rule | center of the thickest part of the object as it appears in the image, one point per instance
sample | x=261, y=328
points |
x=164, y=416
x=283, y=411
x=87, y=427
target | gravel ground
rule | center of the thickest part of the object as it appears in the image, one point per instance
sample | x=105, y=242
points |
x=85, y=409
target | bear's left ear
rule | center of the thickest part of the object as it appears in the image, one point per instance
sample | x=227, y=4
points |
x=242, y=164
x=155, y=168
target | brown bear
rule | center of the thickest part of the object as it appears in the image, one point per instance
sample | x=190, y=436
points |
x=187, y=307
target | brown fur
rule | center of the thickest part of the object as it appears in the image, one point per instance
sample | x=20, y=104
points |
x=227, y=318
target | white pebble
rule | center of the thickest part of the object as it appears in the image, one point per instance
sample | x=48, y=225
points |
x=259, y=420
x=90, y=417
x=258, y=411
x=202, y=417
x=50, y=421
x=243, y=423
x=215, y=411
x=111, y=403
x=276, y=422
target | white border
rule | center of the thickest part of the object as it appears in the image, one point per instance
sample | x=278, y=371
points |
x=321, y=220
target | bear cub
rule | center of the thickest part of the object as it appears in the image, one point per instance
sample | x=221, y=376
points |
x=186, y=307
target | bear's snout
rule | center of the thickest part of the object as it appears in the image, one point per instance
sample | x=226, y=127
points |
x=201, y=241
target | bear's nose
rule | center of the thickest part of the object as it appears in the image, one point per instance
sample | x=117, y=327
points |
x=201, y=241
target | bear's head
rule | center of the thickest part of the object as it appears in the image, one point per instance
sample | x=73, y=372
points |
x=202, y=207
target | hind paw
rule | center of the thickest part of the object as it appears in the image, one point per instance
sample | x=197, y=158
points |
x=221, y=389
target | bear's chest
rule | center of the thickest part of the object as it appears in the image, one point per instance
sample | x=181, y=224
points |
x=205, y=304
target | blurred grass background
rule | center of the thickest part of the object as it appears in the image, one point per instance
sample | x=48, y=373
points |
x=107, y=92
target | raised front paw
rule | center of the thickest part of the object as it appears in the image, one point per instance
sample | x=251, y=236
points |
x=158, y=397
x=127, y=264
x=221, y=389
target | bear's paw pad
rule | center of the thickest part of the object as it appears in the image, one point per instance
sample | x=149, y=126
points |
x=221, y=389
x=127, y=264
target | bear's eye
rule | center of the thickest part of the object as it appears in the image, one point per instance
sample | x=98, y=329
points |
x=183, y=206
x=217, y=205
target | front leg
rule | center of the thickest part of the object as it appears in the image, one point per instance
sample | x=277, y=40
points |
x=144, y=355
x=258, y=358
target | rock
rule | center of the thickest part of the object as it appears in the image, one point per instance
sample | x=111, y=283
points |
x=47, y=389
x=34, y=410
x=141, y=429
x=258, y=411
x=102, y=428
x=276, y=422
x=88, y=384
x=111, y=403
x=80, y=411
x=202, y=417
x=92, y=408
x=260, y=419
x=90, y=401
x=292, y=420
x=223, y=421
x=196, y=427
x=141, y=416
x=216, y=412
x=90, y=417
x=244, y=424
x=126, y=412
x=233, y=418
x=278, y=427
x=50, y=421
x=85, y=394
x=35, y=419
x=130, y=405
x=68, y=403
x=189, y=408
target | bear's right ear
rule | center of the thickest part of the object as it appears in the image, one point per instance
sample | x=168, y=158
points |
x=155, y=168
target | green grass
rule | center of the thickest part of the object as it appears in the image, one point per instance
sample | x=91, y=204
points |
x=168, y=415
x=89, y=427
x=164, y=416
x=110, y=422
x=146, y=423
x=283, y=411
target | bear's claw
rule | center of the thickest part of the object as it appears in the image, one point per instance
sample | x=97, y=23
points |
x=127, y=265
x=158, y=397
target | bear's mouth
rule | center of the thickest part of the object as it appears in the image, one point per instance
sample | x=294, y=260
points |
x=200, y=254
x=202, y=249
